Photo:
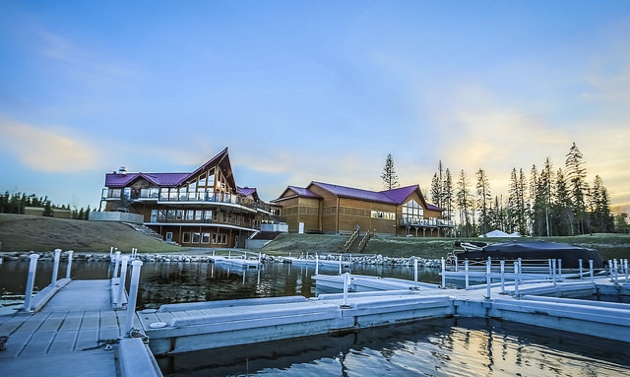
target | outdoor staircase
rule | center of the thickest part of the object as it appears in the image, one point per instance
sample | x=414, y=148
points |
x=149, y=232
x=356, y=243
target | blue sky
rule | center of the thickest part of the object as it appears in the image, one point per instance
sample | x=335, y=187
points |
x=310, y=90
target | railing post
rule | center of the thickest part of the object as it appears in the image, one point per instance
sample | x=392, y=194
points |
x=121, y=281
x=560, y=269
x=55, y=270
x=466, y=273
x=580, y=263
x=590, y=267
x=415, y=273
x=553, y=263
x=443, y=273
x=133, y=296
x=615, y=267
x=610, y=269
x=625, y=268
x=456, y=263
x=550, y=269
x=346, y=283
x=69, y=266
x=30, y=282
x=516, y=279
x=316, y=264
x=489, y=278
x=502, y=276
x=116, y=261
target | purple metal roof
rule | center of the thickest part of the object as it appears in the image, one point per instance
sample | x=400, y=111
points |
x=247, y=191
x=398, y=195
x=395, y=196
x=160, y=179
x=301, y=191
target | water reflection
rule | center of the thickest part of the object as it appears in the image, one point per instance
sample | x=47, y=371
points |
x=440, y=347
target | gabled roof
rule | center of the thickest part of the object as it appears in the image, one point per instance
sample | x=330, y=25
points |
x=221, y=160
x=248, y=191
x=395, y=196
x=298, y=192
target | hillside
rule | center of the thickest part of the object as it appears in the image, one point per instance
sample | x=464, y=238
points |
x=38, y=233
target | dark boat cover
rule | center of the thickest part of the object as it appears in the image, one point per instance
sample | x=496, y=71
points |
x=513, y=250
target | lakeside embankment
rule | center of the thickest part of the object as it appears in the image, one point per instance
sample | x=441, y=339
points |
x=24, y=233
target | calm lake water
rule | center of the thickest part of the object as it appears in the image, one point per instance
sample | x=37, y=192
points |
x=439, y=347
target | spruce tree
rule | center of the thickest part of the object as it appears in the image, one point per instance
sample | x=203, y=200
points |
x=389, y=176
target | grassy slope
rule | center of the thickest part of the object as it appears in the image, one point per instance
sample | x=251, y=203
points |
x=36, y=233
x=610, y=245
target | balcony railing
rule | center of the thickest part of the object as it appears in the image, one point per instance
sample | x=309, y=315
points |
x=427, y=222
x=174, y=195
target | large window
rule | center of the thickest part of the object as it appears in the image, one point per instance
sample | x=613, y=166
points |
x=412, y=212
x=383, y=215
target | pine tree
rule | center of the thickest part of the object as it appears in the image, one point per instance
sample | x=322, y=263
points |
x=448, y=195
x=578, y=188
x=484, y=201
x=464, y=204
x=389, y=176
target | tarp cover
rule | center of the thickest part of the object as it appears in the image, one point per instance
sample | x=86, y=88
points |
x=569, y=254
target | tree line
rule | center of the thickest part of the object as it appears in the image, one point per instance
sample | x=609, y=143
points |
x=550, y=202
x=17, y=202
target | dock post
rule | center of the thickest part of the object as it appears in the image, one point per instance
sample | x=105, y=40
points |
x=111, y=251
x=340, y=256
x=55, y=270
x=316, y=264
x=443, y=273
x=415, y=273
x=69, y=266
x=121, y=282
x=116, y=261
x=30, y=282
x=516, y=279
x=580, y=263
x=489, y=278
x=133, y=296
x=502, y=276
x=590, y=267
x=550, y=269
x=615, y=269
x=610, y=269
x=625, y=268
x=560, y=269
x=553, y=263
x=456, y=263
x=466, y=273
x=346, y=283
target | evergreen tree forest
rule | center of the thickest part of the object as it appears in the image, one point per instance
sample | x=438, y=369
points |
x=17, y=202
x=551, y=201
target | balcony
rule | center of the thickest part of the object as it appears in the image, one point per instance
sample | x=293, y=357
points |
x=166, y=196
x=427, y=223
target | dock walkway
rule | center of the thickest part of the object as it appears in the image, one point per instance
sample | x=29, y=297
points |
x=76, y=333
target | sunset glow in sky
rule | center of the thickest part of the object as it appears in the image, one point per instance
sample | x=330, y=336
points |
x=310, y=90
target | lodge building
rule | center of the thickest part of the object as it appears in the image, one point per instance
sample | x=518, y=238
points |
x=327, y=208
x=205, y=208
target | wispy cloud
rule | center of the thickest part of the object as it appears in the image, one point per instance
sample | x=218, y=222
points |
x=47, y=150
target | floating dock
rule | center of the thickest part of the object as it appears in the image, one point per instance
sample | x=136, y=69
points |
x=84, y=328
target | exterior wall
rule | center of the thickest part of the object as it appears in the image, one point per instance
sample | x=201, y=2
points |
x=298, y=209
x=329, y=212
x=35, y=211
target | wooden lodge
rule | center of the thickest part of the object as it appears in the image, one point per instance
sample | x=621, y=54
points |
x=203, y=208
x=327, y=208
